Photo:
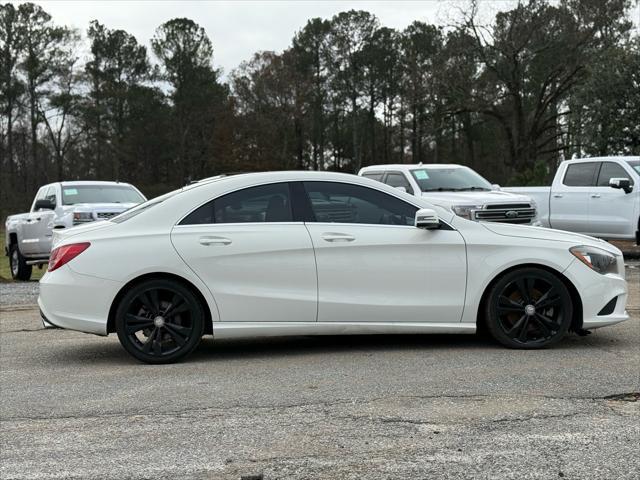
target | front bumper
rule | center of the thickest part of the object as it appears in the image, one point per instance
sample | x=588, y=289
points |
x=596, y=291
x=76, y=302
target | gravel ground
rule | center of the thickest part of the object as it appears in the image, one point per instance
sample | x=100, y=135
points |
x=18, y=293
x=392, y=407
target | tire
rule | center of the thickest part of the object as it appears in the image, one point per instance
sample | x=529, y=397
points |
x=18, y=264
x=529, y=308
x=160, y=321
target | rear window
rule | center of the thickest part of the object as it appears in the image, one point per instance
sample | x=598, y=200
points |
x=580, y=174
x=74, y=194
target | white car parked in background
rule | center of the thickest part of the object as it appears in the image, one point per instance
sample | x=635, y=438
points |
x=457, y=188
x=305, y=253
x=61, y=205
x=595, y=196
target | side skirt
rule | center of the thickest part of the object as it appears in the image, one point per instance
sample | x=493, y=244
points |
x=281, y=329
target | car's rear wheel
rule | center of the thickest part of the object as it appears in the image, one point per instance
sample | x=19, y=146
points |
x=160, y=321
x=19, y=268
x=529, y=308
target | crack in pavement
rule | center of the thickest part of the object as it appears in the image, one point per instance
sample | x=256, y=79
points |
x=187, y=412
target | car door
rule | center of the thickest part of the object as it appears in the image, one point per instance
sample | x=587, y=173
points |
x=569, y=205
x=44, y=223
x=256, y=260
x=375, y=266
x=30, y=242
x=611, y=210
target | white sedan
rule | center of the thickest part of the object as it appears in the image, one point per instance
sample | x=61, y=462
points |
x=312, y=253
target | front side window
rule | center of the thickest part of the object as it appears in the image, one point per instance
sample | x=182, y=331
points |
x=395, y=179
x=611, y=170
x=51, y=195
x=265, y=203
x=580, y=174
x=373, y=175
x=346, y=203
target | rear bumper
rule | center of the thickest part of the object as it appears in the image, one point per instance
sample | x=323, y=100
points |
x=76, y=302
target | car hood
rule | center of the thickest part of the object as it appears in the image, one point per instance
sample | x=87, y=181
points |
x=447, y=199
x=540, y=233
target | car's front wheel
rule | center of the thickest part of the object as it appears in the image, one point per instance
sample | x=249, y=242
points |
x=529, y=308
x=19, y=268
x=160, y=321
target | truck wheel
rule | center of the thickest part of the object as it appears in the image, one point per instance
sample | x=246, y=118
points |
x=19, y=268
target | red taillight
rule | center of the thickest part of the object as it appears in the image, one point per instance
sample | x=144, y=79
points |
x=65, y=254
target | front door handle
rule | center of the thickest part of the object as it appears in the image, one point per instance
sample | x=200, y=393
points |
x=557, y=195
x=595, y=195
x=206, y=241
x=337, y=237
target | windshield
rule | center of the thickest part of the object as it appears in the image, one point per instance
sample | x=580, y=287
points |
x=74, y=194
x=449, y=179
x=635, y=164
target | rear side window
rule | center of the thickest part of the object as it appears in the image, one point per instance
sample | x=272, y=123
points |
x=334, y=202
x=580, y=174
x=611, y=170
x=373, y=175
x=265, y=203
x=397, y=179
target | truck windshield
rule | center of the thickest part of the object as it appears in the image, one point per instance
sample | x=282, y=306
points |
x=635, y=164
x=449, y=179
x=74, y=194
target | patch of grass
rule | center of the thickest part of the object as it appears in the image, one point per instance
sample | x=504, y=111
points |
x=5, y=268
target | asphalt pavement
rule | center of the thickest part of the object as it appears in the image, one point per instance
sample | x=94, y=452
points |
x=77, y=406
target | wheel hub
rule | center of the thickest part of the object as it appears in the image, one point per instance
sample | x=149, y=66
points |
x=530, y=310
x=159, y=321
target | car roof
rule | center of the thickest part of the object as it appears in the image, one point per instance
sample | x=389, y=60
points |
x=91, y=182
x=410, y=166
x=602, y=159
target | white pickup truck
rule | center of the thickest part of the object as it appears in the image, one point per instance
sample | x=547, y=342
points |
x=457, y=188
x=61, y=205
x=595, y=196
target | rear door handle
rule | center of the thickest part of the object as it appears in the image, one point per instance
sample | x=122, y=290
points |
x=206, y=241
x=337, y=237
x=595, y=195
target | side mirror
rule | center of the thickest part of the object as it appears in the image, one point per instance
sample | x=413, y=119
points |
x=427, y=219
x=622, y=184
x=495, y=187
x=402, y=189
x=44, y=205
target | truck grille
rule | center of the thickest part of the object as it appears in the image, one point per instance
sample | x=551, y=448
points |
x=522, y=213
x=106, y=215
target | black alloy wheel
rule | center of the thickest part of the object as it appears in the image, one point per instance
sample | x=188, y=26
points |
x=529, y=308
x=160, y=321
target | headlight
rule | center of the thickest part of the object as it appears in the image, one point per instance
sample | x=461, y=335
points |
x=466, y=211
x=82, y=217
x=596, y=259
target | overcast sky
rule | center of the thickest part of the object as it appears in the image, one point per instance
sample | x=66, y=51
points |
x=238, y=29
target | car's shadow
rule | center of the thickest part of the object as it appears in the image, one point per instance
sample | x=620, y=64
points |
x=268, y=347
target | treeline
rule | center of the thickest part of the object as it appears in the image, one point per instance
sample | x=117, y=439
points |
x=541, y=82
